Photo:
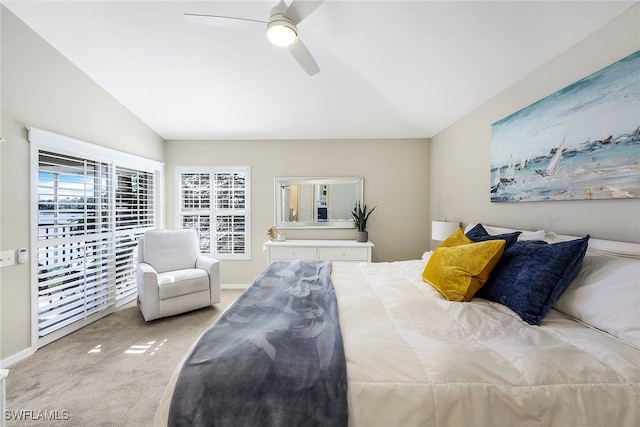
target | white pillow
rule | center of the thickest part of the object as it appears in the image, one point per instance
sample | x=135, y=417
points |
x=526, y=235
x=606, y=295
x=532, y=235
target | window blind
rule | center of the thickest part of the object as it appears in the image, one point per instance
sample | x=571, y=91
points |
x=91, y=205
x=216, y=197
x=135, y=203
x=75, y=255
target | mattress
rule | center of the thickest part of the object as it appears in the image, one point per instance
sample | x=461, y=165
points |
x=416, y=359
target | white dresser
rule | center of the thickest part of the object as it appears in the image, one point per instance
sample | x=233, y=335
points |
x=333, y=250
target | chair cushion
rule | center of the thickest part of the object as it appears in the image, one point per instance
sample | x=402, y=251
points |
x=182, y=282
x=168, y=250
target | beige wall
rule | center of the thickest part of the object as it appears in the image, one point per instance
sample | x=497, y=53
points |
x=41, y=88
x=396, y=179
x=460, y=170
x=411, y=181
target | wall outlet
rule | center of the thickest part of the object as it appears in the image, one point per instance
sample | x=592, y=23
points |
x=7, y=258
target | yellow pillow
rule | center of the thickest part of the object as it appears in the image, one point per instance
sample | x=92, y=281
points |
x=456, y=238
x=458, y=267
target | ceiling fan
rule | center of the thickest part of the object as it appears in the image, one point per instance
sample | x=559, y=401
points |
x=281, y=28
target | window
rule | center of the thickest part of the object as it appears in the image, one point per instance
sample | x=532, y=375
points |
x=215, y=202
x=92, y=205
x=135, y=202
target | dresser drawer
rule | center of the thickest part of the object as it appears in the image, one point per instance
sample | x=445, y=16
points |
x=343, y=254
x=292, y=252
x=330, y=250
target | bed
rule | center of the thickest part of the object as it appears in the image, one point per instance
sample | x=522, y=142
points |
x=415, y=358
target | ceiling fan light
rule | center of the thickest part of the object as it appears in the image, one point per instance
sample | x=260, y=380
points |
x=282, y=33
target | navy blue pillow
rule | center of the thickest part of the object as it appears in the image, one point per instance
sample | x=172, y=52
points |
x=479, y=234
x=531, y=275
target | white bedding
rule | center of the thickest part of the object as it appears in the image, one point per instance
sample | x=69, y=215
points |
x=415, y=359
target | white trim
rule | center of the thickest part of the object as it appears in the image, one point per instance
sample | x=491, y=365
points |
x=66, y=145
x=21, y=355
x=33, y=213
x=3, y=393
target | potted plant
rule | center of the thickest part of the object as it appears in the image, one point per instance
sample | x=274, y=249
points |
x=360, y=217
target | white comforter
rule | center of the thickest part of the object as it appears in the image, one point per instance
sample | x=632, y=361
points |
x=415, y=359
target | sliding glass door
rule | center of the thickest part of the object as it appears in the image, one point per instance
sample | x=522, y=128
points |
x=90, y=210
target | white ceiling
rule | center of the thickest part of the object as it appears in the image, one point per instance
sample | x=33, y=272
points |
x=389, y=69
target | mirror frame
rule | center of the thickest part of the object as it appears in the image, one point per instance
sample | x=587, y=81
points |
x=280, y=182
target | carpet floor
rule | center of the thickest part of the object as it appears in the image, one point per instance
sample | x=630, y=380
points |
x=110, y=373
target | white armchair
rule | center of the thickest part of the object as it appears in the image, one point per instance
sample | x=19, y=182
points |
x=172, y=276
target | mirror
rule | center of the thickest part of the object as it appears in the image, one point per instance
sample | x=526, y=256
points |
x=316, y=202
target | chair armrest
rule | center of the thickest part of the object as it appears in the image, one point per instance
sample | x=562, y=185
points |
x=212, y=267
x=148, y=291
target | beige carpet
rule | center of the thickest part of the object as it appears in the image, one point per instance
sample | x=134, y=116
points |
x=110, y=373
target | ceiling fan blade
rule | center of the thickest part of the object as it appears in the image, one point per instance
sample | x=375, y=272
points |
x=279, y=9
x=219, y=20
x=300, y=9
x=304, y=58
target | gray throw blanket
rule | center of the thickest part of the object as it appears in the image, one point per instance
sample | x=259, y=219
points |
x=274, y=358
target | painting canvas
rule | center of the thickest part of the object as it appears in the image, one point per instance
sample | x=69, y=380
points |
x=581, y=142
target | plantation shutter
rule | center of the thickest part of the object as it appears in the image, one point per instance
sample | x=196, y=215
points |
x=215, y=202
x=90, y=206
x=195, y=206
x=230, y=212
x=75, y=251
x=135, y=202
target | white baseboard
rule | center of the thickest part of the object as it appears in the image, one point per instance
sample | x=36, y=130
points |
x=234, y=286
x=5, y=363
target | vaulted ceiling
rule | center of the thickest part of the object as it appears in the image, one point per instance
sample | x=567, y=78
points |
x=389, y=69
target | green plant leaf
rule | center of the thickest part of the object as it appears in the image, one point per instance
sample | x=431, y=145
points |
x=360, y=216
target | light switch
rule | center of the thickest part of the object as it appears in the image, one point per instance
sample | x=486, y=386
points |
x=7, y=258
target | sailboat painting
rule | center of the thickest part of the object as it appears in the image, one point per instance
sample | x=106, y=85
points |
x=581, y=142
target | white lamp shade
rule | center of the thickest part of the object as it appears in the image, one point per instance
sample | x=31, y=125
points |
x=282, y=33
x=440, y=230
